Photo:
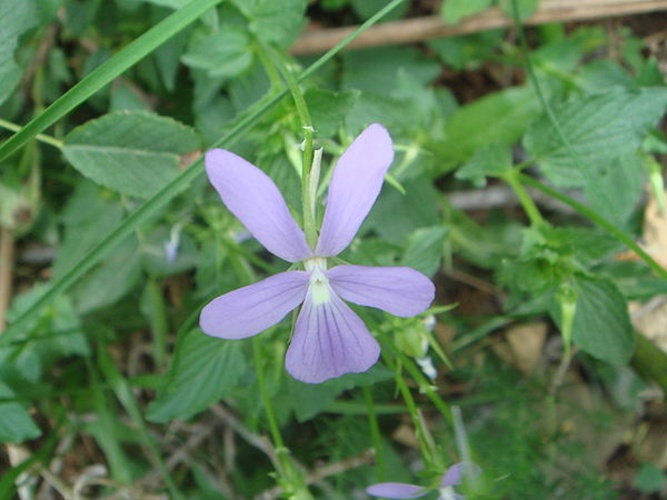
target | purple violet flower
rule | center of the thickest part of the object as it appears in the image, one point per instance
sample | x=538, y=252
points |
x=452, y=477
x=329, y=338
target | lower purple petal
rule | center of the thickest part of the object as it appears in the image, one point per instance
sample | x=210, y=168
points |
x=396, y=490
x=329, y=340
x=249, y=310
x=401, y=291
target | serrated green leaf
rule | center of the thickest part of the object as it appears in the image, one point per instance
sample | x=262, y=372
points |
x=226, y=53
x=395, y=216
x=618, y=186
x=16, y=16
x=308, y=399
x=111, y=280
x=490, y=161
x=203, y=370
x=425, y=249
x=599, y=128
x=601, y=325
x=329, y=109
x=50, y=335
x=16, y=426
x=134, y=153
x=455, y=10
x=526, y=8
x=274, y=22
x=499, y=118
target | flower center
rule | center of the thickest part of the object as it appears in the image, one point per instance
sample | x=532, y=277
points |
x=319, y=284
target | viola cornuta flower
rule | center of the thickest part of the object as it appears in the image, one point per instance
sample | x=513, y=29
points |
x=329, y=339
x=452, y=477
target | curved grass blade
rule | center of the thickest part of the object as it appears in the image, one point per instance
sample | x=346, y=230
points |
x=153, y=205
x=105, y=73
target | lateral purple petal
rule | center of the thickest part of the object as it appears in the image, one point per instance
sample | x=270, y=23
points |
x=455, y=473
x=255, y=200
x=401, y=291
x=355, y=185
x=396, y=490
x=249, y=310
x=329, y=340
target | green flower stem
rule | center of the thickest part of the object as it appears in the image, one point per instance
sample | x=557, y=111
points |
x=512, y=178
x=291, y=480
x=376, y=435
x=121, y=388
x=46, y=139
x=307, y=192
x=427, y=451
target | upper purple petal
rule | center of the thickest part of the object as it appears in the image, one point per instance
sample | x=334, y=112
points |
x=401, y=291
x=329, y=340
x=255, y=200
x=355, y=185
x=396, y=490
x=454, y=474
x=249, y=310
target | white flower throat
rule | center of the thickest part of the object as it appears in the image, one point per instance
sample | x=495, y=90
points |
x=320, y=292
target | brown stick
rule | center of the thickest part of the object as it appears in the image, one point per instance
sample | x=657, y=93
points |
x=424, y=28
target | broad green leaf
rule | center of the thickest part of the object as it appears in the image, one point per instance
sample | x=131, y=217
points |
x=86, y=218
x=308, y=399
x=601, y=326
x=47, y=337
x=455, y=10
x=526, y=8
x=376, y=70
x=425, y=249
x=226, y=53
x=617, y=188
x=16, y=16
x=395, y=216
x=134, y=153
x=16, y=426
x=499, y=118
x=111, y=280
x=329, y=109
x=202, y=371
x=490, y=161
x=467, y=51
x=274, y=22
x=598, y=128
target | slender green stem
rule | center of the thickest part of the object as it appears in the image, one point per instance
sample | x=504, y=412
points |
x=46, y=139
x=600, y=221
x=376, y=436
x=426, y=387
x=288, y=473
x=308, y=131
x=533, y=213
x=421, y=433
